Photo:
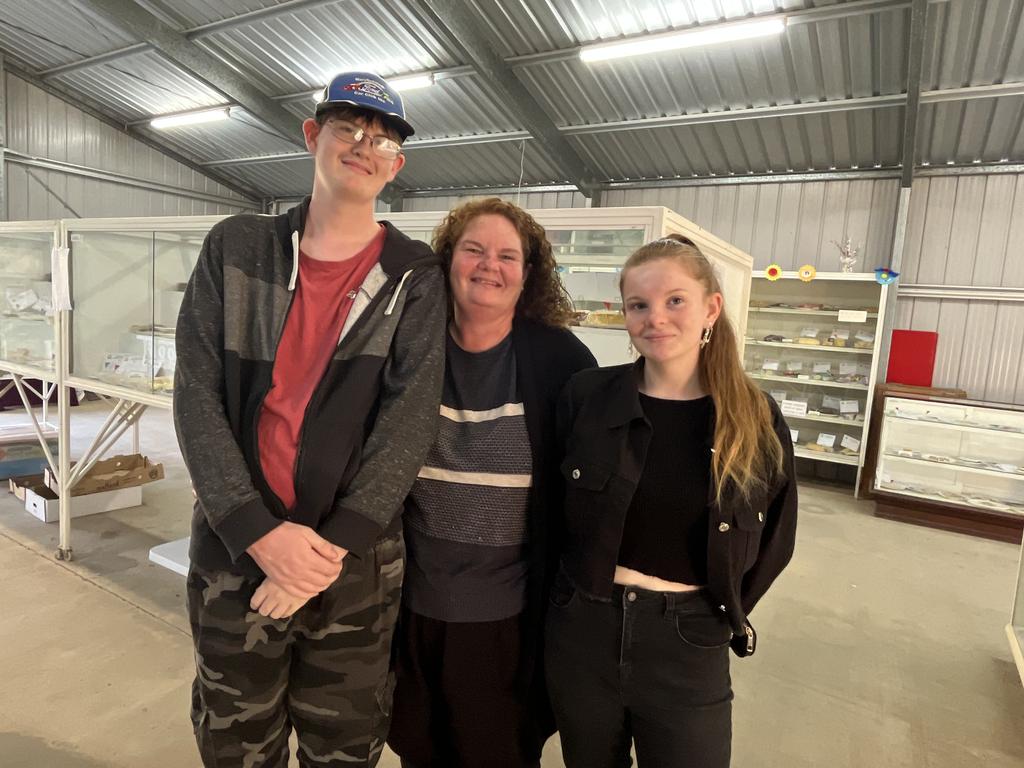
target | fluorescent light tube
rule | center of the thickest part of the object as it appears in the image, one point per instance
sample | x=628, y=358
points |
x=190, y=118
x=412, y=82
x=689, y=38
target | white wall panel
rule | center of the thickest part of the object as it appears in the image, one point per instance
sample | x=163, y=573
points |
x=791, y=224
x=44, y=126
x=981, y=344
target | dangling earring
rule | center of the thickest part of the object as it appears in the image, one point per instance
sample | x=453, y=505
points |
x=629, y=348
x=706, y=336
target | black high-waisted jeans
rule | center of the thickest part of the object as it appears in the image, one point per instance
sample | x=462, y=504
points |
x=649, y=667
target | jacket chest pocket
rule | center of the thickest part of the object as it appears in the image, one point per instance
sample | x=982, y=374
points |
x=584, y=476
x=749, y=520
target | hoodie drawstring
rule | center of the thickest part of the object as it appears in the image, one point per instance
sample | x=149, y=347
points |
x=394, y=296
x=295, y=261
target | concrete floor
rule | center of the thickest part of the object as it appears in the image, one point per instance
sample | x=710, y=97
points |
x=881, y=646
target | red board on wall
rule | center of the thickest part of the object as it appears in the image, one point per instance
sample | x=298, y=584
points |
x=912, y=357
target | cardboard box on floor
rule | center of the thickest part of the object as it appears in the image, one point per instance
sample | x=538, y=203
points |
x=111, y=484
x=110, y=474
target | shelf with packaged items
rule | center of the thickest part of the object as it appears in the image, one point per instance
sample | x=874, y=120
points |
x=869, y=317
x=961, y=460
x=806, y=339
x=810, y=347
x=793, y=380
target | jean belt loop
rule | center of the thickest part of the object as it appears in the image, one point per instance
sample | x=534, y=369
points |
x=670, y=604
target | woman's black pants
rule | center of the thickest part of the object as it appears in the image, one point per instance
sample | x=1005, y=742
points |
x=648, y=667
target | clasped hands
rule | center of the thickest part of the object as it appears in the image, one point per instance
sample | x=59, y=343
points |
x=299, y=563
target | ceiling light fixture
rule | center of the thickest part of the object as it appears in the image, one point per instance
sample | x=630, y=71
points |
x=412, y=82
x=190, y=118
x=688, y=38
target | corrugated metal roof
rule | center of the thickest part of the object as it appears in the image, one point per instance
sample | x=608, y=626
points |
x=141, y=85
x=478, y=165
x=983, y=130
x=41, y=38
x=196, y=13
x=298, y=47
x=280, y=179
x=800, y=66
x=860, y=139
x=241, y=136
x=304, y=49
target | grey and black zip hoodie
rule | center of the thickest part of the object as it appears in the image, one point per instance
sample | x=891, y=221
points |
x=371, y=418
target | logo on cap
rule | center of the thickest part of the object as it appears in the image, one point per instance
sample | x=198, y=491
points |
x=370, y=89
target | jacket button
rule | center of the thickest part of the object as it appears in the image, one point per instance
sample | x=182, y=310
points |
x=723, y=527
x=575, y=474
x=760, y=517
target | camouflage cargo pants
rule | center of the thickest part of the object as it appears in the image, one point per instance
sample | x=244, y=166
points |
x=323, y=671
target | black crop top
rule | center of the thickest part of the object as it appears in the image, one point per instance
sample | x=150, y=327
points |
x=666, y=530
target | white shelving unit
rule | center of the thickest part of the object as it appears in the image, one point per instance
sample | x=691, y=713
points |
x=825, y=383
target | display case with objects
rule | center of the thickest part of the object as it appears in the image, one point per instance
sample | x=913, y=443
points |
x=29, y=323
x=590, y=245
x=952, y=464
x=127, y=278
x=813, y=345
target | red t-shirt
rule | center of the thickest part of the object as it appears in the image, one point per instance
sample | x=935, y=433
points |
x=323, y=297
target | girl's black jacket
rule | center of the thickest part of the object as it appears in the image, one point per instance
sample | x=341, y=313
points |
x=605, y=435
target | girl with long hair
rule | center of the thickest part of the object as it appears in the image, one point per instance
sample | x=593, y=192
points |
x=680, y=511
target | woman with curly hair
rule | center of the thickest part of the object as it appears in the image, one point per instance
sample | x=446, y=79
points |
x=481, y=547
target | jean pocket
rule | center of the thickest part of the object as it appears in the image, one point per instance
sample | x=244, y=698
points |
x=703, y=630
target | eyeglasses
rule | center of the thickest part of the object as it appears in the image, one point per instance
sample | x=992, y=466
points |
x=383, y=146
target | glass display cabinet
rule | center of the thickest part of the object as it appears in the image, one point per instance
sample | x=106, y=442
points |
x=29, y=323
x=952, y=464
x=128, y=277
x=590, y=245
x=814, y=347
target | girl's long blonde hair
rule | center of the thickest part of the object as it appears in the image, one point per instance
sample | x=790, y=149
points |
x=748, y=455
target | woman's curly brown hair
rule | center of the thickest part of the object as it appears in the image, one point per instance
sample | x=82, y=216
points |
x=544, y=298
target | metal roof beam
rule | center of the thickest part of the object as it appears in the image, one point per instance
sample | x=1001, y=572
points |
x=915, y=63
x=462, y=22
x=173, y=45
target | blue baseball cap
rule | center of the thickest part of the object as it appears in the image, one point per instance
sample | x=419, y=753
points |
x=366, y=90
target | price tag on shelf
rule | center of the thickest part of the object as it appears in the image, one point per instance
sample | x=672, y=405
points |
x=794, y=366
x=853, y=316
x=770, y=365
x=849, y=406
x=778, y=395
x=830, y=403
x=794, y=435
x=826, y=440
x=850, y=442
x=863, y=369
x=794, y=407
x=822, y=368
x=847, y=369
